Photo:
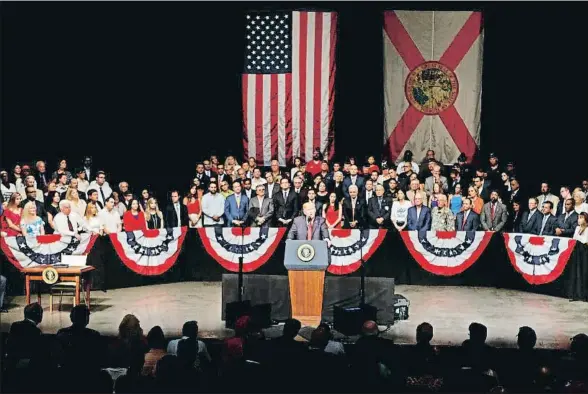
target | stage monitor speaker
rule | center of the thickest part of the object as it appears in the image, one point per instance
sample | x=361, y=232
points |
x=262, y=315
x=234, y=310
x=349, y=320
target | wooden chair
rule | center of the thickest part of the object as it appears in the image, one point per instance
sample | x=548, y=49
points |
x=67, y=287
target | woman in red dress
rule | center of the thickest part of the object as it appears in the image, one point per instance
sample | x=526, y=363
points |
x=134, y=219
x=10, y=223
x=192, y=202
x=333, y=212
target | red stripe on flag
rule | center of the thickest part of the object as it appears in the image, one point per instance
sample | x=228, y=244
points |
x=303, y=38
x=245, y=130
x=458, y=130
x=332, y=68
x=463, y=41
x=318, y=46
x=274, y=130
x=260, y=101
x=288, y=108
x=403, y=131
x=402, y=41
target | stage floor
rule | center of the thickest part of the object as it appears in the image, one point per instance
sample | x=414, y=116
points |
x=449, y=309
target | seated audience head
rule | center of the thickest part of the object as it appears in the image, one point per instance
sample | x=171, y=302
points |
x=579, y=347
x=478, y=333
x=370, y=328
x=243, y=326
x=526, y=338
x=190, y=329
x=130, y=328
x=80, y=315
x=319, y=338
x=34, y=312
x=156, y=338
x=424, y=333
x=291, y=328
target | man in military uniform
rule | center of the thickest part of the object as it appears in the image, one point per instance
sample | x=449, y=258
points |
x=442, y=217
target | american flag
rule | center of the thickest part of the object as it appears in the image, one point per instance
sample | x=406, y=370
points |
x=288, y=85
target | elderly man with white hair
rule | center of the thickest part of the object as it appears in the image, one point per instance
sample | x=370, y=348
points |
x=67, y=222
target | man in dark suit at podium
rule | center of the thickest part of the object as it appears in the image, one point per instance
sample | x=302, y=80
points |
x=309, y=226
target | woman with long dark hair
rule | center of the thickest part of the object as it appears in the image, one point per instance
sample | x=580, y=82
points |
x=134, y=218
x=333, y=212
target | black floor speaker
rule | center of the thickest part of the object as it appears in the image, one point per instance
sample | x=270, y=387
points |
x=234, y=310
x=349, y=320
x=260, y=313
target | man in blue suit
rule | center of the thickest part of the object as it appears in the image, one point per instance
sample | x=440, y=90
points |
x=353, y=179
x=419, y=216
x=467, y=220
x=236, y=206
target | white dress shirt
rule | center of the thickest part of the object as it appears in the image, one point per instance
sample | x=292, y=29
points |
x=83, y=185
x=256, y=182
x=93, y=225
x=105, y=189
x=61, y=226
x=213, y=205
x=583, y=238
x=368, y=194
x=110, y=221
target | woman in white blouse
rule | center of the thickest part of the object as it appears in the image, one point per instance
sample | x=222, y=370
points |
x=581, y=234
x=91, y=220
x=77, y=204
x=82, y=181
x=579, y=204
x=399, y=213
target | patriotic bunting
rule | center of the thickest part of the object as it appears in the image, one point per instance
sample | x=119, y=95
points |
x=538, y=259
x=149, y=252
x=446, y=253
x=347, y=247
x=26, y=252
x=255, y=244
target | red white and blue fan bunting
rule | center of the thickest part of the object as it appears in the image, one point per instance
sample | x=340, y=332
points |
x=347, y=247
x=446, y=253
x=149, y=252
x=26, y=252
x=538, y=259
x=225, y=245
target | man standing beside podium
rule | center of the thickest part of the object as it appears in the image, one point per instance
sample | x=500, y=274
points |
x=309, y=226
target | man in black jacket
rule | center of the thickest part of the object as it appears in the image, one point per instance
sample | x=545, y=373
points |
x=24, y=338
x=176, y=213
x=79, y=343
x=379, y=209
x=567, y=222
x=285, y=204
x=32, y=196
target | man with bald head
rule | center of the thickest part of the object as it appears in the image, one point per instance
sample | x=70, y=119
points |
x=442, y=217
x=308, y=226
x=379, y=208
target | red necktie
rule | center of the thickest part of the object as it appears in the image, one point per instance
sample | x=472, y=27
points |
x=69, y=224
x=309, y=231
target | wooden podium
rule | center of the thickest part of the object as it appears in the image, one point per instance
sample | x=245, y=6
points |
x=306, y=262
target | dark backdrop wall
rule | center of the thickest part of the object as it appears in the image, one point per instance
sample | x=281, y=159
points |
x=149, y=88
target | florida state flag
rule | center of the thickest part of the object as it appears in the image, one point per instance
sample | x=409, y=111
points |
x=432, y=83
